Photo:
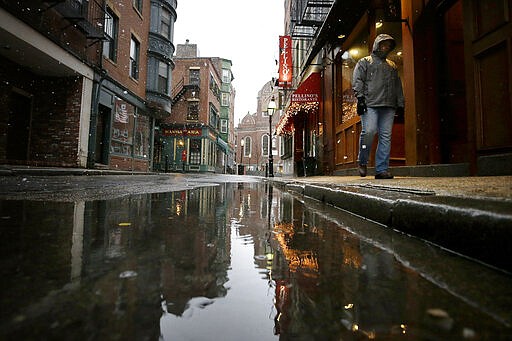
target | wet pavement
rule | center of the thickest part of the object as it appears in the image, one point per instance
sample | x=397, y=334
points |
x=225, y=258
x=469, y=215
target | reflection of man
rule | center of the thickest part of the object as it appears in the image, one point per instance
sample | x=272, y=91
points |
x=379, y=93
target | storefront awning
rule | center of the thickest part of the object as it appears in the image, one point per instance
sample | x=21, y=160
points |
x=222, y=144
x=305, y=99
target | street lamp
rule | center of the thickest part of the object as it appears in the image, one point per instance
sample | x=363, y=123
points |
x=271, y=108
x=240, y=166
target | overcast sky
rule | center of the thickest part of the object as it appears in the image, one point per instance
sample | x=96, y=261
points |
x=245, y=32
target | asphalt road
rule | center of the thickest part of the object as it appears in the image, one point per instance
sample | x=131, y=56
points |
x=71, y=188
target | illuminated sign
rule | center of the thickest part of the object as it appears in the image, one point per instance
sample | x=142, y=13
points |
x=285, y=61
x=182, y=132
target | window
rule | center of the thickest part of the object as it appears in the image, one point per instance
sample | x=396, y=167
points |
x=193, y=76
x=224, y=126
x=111, y=28
x=163, y=77
x=347, y=105
x=226, y=76
x=247, y=146
x=141, y=138
x=195, y=152
x=281, y=146
x=214, y=117
x=193, y=111
x=165, y=23
x=214, y=86
x=138, y=5
x=122, y=128
x=264, y=145
x=225, y=99
x=134, y=58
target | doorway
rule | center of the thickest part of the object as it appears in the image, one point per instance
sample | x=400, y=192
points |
x=18, y=131
x=452, y=86
x=102, y=135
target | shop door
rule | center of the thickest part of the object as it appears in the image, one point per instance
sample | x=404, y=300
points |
x=489, y=52
x=102, y=135
x=348, y=126
x=452, y=87
x=18, y=131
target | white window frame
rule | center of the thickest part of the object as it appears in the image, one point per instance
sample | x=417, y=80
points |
x=134, y=57
x=225, y=99
x=264, y=144
x=223, y=126
x=226, y=76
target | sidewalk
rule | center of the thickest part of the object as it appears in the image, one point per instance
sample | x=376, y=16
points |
x=468, y=215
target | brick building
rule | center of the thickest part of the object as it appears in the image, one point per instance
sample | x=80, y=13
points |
x=134, y=84
x=83, y=81
x=197, y=136
x=252, y=136
x=48, y=58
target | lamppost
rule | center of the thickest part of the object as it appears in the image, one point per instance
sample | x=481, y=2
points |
x=271, y=108
x=240, y=166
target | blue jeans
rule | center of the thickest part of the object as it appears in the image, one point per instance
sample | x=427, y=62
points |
x=376, y=120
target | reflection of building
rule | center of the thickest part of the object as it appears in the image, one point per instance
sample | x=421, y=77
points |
x=254, y=131
x=311, y=268
x=452, y=76
x=198, y=137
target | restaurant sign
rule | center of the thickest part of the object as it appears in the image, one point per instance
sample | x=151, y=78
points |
x=285, y=61
x=182, y=132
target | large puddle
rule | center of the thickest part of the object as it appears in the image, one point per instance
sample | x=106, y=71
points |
x=233, y=262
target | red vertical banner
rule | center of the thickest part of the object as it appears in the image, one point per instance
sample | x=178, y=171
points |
x=285, y=61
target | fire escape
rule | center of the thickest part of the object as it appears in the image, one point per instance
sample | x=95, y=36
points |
x=86, y=15
x=307, y=16
x=181, y=89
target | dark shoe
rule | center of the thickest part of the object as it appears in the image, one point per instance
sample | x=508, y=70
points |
x=362, y=170
x=384, y=175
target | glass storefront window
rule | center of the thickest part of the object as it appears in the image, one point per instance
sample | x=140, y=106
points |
x=195, y=152
x=141, y=144
x=349, y=58
x=360, y=48
x=122, y=128
x=130, y=132
x=394, y=29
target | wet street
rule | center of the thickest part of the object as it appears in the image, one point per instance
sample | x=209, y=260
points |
x=226, y=259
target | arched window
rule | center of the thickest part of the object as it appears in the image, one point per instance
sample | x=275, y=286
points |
x=247, y=146
x=264, y=145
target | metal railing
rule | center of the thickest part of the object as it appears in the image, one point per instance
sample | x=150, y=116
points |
x=87, y=15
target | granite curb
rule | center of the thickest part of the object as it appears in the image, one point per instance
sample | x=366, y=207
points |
x=477, y=228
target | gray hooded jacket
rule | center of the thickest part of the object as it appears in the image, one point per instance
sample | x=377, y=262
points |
x=376, y=78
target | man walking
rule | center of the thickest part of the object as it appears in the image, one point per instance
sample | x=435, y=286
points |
x=379, y=94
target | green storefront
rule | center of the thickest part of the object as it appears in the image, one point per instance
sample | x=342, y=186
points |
x=188, y=149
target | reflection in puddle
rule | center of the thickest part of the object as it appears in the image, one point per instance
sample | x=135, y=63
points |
x=230, y=262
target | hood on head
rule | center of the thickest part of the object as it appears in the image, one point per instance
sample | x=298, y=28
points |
x=380, y=38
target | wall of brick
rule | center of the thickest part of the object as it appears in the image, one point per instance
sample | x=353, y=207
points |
x=130, y=22
x=56, y=121
x=55, y=115
x=205, y=94
x=126, y=163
